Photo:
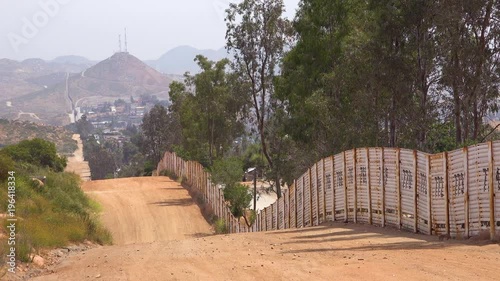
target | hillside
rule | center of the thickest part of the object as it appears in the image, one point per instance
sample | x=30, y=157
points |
x=12, y=132
x=181, y=59
x=120, y=76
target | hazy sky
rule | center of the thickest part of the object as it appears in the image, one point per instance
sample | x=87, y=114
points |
x=50, y=28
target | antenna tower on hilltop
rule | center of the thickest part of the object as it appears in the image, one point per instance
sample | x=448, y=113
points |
x=119, y=43
x=126, y=43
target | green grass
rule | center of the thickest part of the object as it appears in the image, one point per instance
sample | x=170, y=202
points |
x=52, y=215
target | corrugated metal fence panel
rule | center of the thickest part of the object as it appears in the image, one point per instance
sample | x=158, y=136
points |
x=286, y=209
x=423, y=193
x=496, y=184
x=300, y=202
x=329, y=195
x=274, y=207
x=281, y=213
x=269, y=218
x=293, y=207
x=349, y=162
x=456, y=193
x=362, y=186
x=479, y=194
x=307, y=199
x=338, y=184
x=314, y=195
x=406, y=178
x=391, y=192
x=438, y=172
x=321, y=191
x=376, y=185
x=259, y=222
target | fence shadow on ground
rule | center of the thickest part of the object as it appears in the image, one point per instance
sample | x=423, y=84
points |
x=342, y=232
x=174, y=202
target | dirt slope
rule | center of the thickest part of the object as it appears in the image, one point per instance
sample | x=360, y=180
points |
x=159, y=234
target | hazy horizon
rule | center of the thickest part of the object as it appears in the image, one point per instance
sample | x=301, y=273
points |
x=48, y=29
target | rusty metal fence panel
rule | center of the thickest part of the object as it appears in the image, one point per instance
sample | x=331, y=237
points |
x=407, y=189
x=479, y=193
x=439, y=193
x=350, y=185
x=281, y=213
x=391, y=194
x=496, y=184
x=362, y=191
x=329, y=190
x=286, y=209
x=423, y=193
x=376, y=187
x=300, y=202
x=340, y=189
x=307, y=199
x=314, y=195
x=321, y=190
x=457, y=190
x=293, y=206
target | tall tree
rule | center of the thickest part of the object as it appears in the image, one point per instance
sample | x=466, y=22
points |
x=257, y=34
x=469, y=57
x=211, y=112
x=158, y=135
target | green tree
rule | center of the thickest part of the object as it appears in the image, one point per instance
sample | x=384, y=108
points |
x=257, y=34
x=158, y=133
x=212, y=115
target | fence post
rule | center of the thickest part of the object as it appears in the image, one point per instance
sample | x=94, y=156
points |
x=492, y=193
x=355, y=180
x=295, y=201
x=346, y=207
x=332, y=183
x=429, y=193
x=446, y=193
x=317, y=197
x=368, y=181
x=415, y=194
x=398, y=184
x=323, y=181
x=303, y=205
x=466, y=195
x=382, y=165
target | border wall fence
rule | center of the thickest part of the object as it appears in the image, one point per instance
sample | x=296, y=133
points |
x=455, y=193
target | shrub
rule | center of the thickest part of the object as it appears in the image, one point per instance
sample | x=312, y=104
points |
x=6, y=165
x=239, y=199
x=221, y=226
x=37, y=152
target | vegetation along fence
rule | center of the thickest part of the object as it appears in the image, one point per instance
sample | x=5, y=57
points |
x=455, y=193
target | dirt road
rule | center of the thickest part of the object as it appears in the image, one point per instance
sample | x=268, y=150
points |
x=76, y=163
x=144, y=210
x=160, y=235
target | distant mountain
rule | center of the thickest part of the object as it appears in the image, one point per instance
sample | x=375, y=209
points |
x=181, y=59
x=12, y=132
x=120, y=76
x=78, y=60
x=21, y=78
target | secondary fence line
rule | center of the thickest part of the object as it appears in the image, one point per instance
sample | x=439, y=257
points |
x=455, y=193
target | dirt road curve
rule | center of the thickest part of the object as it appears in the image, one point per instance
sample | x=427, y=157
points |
x=143, y=210
x=159, y=235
